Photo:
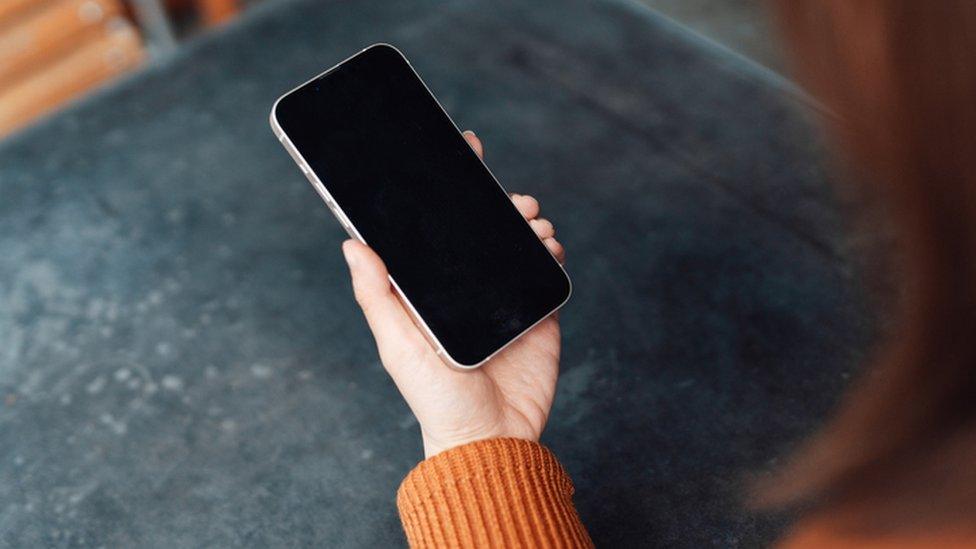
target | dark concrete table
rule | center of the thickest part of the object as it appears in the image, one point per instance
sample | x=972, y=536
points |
x=181, y=361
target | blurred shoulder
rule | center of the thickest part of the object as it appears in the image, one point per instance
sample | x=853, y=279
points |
x=822, y=534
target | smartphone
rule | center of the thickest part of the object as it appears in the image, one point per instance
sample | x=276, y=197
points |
x=400, y=177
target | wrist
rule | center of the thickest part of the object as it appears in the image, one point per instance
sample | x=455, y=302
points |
x=435, y=445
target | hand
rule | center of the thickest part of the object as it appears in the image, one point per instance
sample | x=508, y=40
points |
x=509, y=396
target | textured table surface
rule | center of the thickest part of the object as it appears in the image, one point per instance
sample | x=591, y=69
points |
x=181, y=360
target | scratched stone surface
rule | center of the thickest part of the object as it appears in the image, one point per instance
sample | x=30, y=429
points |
x=181, y=361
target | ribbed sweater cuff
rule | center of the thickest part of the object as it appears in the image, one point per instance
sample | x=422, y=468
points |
x=501, y=492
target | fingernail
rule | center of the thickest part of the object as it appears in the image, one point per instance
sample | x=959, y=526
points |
x=350, y=258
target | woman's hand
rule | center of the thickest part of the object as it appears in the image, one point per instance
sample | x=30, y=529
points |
x=509, y=396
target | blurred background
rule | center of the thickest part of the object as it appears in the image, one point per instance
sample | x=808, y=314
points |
x=52, y=51
x=55, y=51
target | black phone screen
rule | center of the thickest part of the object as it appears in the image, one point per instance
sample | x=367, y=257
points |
x=419, y=196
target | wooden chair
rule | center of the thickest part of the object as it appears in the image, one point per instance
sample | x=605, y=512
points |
x=218, y=11
x=54, y=50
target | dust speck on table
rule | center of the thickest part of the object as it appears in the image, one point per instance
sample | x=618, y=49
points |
x=172, y=383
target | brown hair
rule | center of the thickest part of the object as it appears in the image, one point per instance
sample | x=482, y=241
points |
x=900, y=76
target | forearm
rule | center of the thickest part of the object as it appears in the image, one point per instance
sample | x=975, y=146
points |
x=491, y=493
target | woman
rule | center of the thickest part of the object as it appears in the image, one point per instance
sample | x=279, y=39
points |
x=897, y=465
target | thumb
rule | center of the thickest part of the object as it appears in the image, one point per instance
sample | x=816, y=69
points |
x=392, y=327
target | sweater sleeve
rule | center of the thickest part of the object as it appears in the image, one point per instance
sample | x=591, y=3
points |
x=501, y=492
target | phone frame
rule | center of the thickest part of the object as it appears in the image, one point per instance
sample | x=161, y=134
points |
x=354, y=233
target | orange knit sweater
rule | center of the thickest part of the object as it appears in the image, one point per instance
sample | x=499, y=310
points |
x=500, y=492
x=513, y=493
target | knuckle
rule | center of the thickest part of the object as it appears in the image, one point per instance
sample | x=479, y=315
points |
x=362, y=297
